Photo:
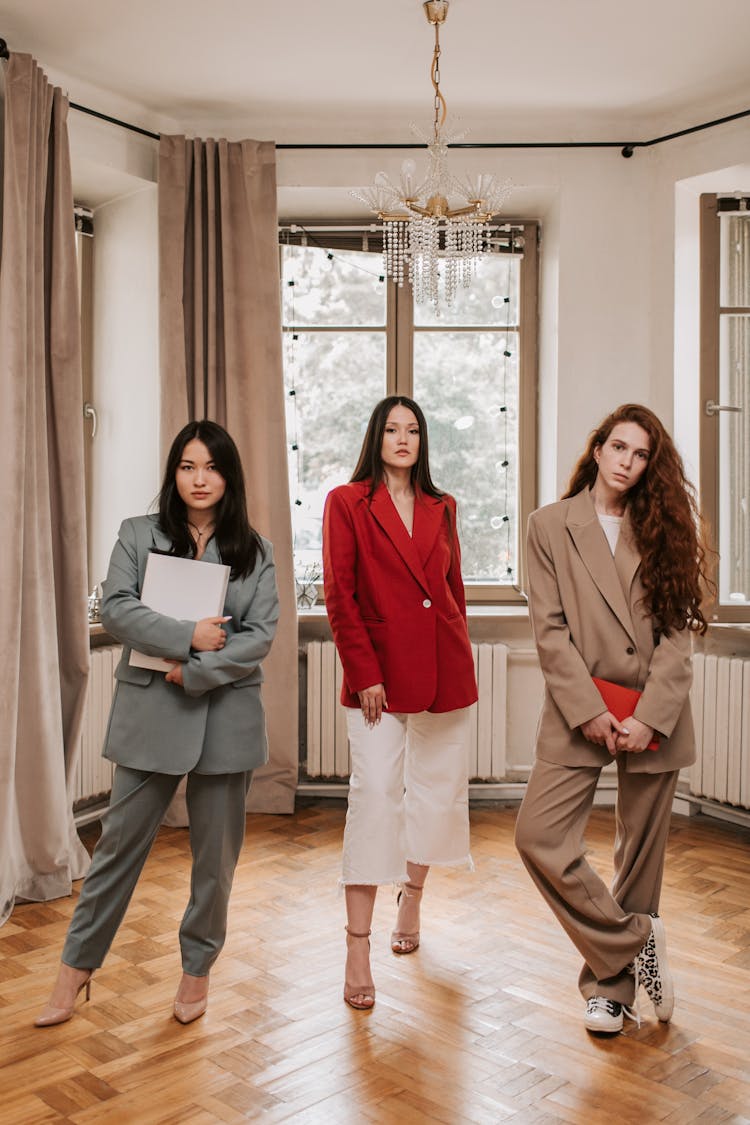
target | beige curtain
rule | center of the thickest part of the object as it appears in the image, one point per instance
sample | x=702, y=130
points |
x=43, y=621
x=220, y=355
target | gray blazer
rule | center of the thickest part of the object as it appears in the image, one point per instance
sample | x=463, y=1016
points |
x=588, y=620
x=215, y=723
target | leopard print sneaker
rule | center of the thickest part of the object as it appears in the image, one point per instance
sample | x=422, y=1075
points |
x=652, y=971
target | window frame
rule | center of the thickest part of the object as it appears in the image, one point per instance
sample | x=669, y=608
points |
x=400, y=330
x=710, y=315
x=85, y=267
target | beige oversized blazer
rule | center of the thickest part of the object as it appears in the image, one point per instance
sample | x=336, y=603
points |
x=588, y=620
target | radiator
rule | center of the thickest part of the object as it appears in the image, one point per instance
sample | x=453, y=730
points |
x=327, y=744
x=92, y=777
x=720, y=699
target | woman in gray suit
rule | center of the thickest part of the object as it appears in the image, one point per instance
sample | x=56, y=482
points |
x=616, y=578
x=192, y=721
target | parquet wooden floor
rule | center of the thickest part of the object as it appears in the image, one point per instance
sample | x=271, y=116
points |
x=482, y=1024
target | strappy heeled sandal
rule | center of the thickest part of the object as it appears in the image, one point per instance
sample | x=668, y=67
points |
x=367, y=991
x=398, y=937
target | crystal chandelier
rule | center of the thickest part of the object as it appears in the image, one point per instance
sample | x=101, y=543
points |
x=439, y=226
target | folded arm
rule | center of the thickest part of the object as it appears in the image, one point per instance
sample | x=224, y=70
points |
x=244, y=649
x=670, y=675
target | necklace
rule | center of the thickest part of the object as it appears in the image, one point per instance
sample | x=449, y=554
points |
x=206, y=531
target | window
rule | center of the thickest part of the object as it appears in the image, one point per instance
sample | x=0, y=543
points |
x=351, y=337
x=725, y=396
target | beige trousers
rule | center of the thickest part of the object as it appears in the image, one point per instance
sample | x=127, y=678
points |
x=608, y=927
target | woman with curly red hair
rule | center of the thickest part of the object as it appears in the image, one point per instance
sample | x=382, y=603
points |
x=617, y=570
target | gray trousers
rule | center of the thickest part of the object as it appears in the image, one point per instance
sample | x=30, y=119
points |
x=608, y=927
x=216, y=807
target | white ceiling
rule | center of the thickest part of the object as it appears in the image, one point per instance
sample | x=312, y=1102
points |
x=358, y=71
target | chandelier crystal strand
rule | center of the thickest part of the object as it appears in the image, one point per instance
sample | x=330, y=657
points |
x=452, y=261
x=416, y=259
x=433, y=235
x=391, y=250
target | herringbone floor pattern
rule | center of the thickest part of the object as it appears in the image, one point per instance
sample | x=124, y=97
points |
x=482, y=1024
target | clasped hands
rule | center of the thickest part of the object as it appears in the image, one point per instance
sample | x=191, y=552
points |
x=208, y=636
x=631, y=734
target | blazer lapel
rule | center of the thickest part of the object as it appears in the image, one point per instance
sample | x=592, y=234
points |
x=429, y=513
x=627, y=559
x=384, y=511
x=591, y=544
x=159, y=540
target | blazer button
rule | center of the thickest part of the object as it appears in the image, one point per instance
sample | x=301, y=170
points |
x=427, y=603
x=630, y=650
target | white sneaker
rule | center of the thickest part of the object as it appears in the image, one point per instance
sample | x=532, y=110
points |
x=606, y=1015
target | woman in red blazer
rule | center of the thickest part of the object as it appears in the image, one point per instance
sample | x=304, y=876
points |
x=395, y=600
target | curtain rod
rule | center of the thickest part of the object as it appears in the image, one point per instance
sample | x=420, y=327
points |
x=627, y=148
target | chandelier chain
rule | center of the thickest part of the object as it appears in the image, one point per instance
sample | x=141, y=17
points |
x=441, y=108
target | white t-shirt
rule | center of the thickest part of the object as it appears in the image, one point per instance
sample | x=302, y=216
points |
x=611, y=527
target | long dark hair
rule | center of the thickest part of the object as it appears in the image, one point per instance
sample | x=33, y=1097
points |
x=666, y=522
x=239, y=544
x=370, y=463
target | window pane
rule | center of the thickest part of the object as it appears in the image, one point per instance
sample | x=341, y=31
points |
x=337, y=377
x=332, y=287
x=735, y=261
x=484, y=301
x=468, y=389
x=734, y=461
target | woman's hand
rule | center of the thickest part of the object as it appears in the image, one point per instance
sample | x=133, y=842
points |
x=604, y=730
x=208, y=636
x=636, y=737
x=372, y=701
x=174, y=676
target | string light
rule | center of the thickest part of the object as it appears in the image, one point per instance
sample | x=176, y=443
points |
x=310, y=239
x=501, y=522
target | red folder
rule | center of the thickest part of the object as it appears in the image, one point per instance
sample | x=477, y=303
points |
x=621, y=701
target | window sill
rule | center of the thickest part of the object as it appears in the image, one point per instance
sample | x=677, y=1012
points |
x=99, y=637
x=487, y=623
x=730, y=638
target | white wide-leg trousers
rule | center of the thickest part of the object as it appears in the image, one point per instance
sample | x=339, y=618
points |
x=408, y=795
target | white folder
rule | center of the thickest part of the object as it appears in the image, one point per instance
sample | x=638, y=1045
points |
x=185, y=589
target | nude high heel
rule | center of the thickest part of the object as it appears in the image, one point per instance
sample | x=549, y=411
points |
x=366, y=991
x=187, y=1011
x=49, y=1016
x=409, y=890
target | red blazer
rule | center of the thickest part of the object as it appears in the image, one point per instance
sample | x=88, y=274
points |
x=396, y=602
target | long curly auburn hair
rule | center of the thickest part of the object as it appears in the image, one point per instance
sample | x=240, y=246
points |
x=666, y=523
